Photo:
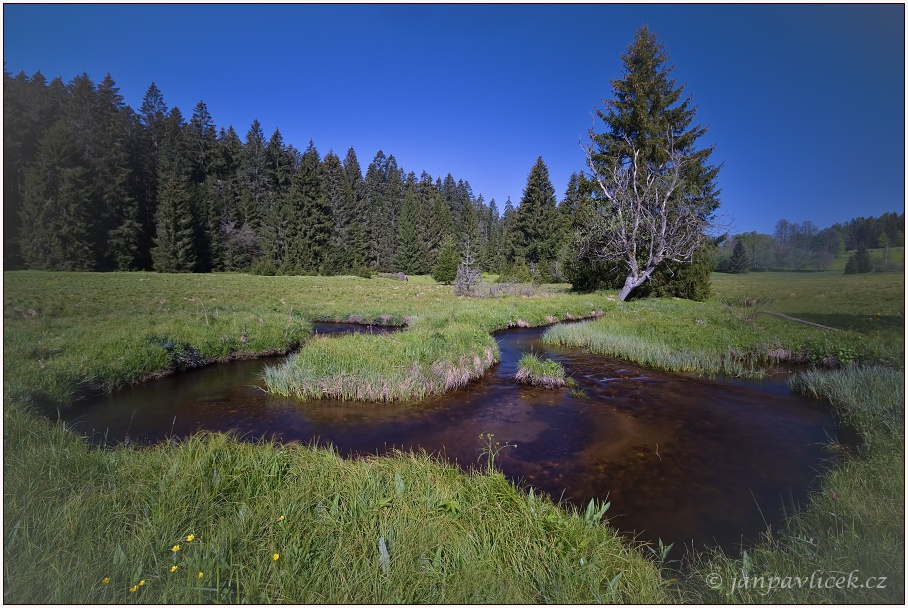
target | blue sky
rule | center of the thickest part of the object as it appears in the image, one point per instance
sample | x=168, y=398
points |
x=805, y=103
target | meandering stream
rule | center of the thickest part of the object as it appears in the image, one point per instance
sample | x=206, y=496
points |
x=687, y=460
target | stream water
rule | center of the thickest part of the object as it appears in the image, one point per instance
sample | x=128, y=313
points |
x=691, y=461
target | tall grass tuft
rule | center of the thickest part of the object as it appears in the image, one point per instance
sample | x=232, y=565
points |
x=409, y=365
x=870, y=399
x=545, y=373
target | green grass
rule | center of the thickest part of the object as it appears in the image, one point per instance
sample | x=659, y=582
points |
x=445, y=346
x=877, y=256
x=81, y=515
x=70, y=334
x=409, y=365
x=407, y=528
x=727, y=334
x=533, y=370
x=67, y=334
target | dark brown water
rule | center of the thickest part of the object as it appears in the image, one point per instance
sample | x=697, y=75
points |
x=687, y=460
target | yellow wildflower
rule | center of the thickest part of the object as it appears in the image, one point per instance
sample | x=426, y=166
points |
x=190, y=538
x=105, y=580
x=200, y=575
x=281, y=518
x=141, y=582
x=134, y=588
x=276, y=556
x=175, y=548
x=173, y=568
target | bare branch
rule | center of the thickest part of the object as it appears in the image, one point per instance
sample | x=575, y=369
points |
x=643, y=220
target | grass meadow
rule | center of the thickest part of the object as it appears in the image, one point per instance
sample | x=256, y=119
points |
x=214, y=519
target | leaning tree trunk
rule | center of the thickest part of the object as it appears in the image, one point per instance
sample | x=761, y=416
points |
x=632, y=282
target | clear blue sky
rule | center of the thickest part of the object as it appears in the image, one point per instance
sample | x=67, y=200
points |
x=805, y=103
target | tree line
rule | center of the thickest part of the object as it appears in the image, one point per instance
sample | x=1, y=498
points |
x=92, y=184
x=803, y=246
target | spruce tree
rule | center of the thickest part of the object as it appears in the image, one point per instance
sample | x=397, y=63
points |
x=508, y=247
x=739, y=258
x=175, y=247
x=535, y=233
x=447, y=261
x=383, y=190
x=337, y=195
x=120, y=237
x=434, y=216
x=201, y=143
x=313, y=235
x=254, y=182
x=648, y=116
x=154, y=116
x=411, y=254
x=276, y=214
x=859, y=262
x=358, y=234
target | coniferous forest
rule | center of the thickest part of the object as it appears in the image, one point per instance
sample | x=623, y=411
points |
x=90, y=183
x=93, y=184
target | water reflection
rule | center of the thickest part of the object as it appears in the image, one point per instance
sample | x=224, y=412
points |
x=682, y=459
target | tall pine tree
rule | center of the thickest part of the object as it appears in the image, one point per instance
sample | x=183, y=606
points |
x=310, y=247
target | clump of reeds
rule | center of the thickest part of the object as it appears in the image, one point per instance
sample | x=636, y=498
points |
x=410, y=365
x=545, y=373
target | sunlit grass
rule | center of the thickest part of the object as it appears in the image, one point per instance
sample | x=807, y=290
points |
x=408, y=365
x=728, y=335
x=535, y=371
x=218, y=520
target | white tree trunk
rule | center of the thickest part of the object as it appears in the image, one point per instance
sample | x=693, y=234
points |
x=641, y=221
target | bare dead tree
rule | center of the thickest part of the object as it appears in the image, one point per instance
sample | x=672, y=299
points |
x=641, y=219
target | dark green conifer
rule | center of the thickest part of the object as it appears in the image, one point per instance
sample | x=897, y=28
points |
x=739, y=258
x=649, y=115
x=56, y=222
x=411, y=254
x=447, y=261
x=859, y=262
x=535, y=234
x=313, y=236
x=175, y=247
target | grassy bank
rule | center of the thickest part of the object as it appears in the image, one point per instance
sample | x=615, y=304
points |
x=404, y=528
x=409, y=365
x=447, y=344
x=734, y=334
x=287, y=523
x=70, y=334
